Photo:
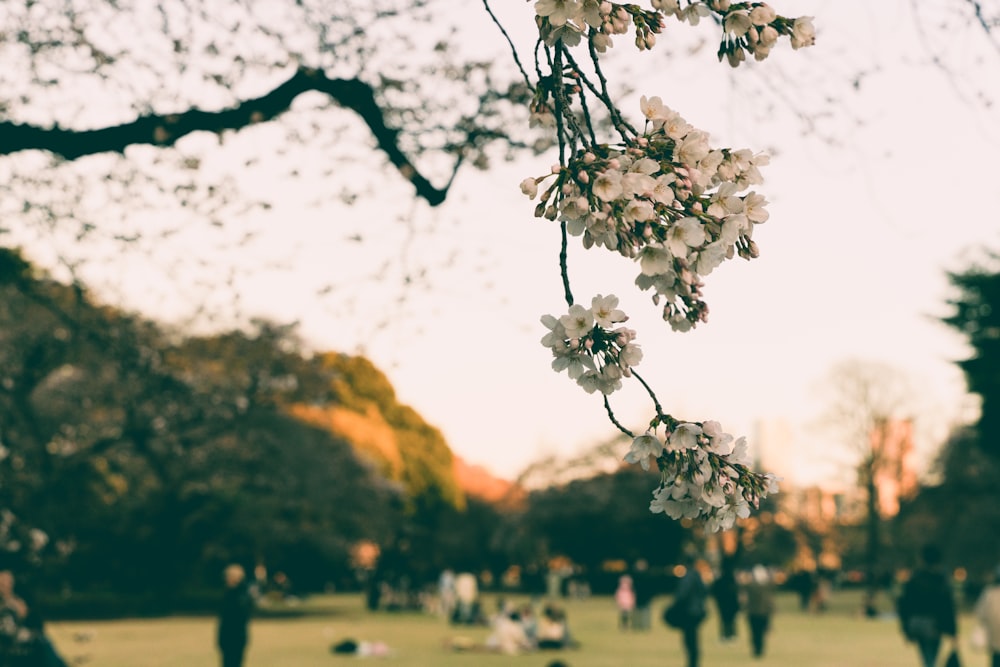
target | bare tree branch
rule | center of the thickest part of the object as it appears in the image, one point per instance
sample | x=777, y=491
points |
x=167, y=129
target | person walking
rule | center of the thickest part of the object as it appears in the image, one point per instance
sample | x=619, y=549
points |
x=726, y=593
x=625, y=599
x=645, y=591
x=234, y=617
x=759, y=607
x=927, y=607
x=690, y=600
x=988, y=615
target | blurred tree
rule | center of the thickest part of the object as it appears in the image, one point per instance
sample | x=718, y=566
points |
x=864, y=400
x=596, y=519
x=955, y=510
x=977, y=317
x=959, y=511
x=362, y=407
x=175, y=458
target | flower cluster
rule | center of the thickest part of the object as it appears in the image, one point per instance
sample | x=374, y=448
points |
x=570, y=20
x=586, y=346
x=665, y=198
x=748, y=27
x=754, y=28
x=704, y=473
x=668, y=200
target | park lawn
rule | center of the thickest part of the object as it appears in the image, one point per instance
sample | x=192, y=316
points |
x=838, y=638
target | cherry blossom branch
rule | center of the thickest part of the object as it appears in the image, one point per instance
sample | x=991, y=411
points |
x=665, y=199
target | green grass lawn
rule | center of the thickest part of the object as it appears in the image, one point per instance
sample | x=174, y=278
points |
x=838, y=638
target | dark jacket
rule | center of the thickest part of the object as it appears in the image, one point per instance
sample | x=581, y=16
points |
x=691, y=596
x=726, y=593
x=234, y=616
x=926, y=606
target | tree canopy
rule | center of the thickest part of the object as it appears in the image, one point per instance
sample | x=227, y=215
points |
x=977, y=318
x=182, y=453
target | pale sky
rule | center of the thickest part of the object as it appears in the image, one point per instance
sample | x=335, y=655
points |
x=852, y=266
x=852, y=259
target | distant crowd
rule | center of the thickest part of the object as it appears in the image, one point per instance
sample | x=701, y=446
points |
x=924, y=602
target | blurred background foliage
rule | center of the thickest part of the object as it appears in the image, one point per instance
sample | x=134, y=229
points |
x=136, y=462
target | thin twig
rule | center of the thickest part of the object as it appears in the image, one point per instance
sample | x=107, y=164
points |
x=652, y=396
x=513, y=49
x=563, y=264
x=616, y=118
x=614, y=420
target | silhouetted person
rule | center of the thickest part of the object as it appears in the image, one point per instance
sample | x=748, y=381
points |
x=644, y=594
x=803, y=583
x=553, y=629
x=691, y=596
x=927, y=607
x=726, y=593
x=760, y=607
x=234, y=617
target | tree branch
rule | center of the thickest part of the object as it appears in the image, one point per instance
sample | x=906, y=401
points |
x=167, y=129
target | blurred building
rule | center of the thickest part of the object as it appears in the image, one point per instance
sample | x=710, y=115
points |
x=896, y=473
x=818, y=506
x=822, y=504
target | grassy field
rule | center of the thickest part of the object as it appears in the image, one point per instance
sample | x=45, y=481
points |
x=838, y=638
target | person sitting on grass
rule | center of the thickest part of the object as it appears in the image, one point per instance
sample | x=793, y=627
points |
x=508, y=637
x=553, y=631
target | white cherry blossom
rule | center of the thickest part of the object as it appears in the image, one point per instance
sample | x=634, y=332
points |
x=557, y=11
x=529, y=187
x=644, y=447
x=655, y=259
x=763, y=14
x=638, y=210
x=663, y=191
x=686, y=233
x=803, y=32
x=577, y=322
x=605, y=311
x=608, y=185
x=685, y=436
x=741, y=452
x=737, y=23
x=710, y=257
